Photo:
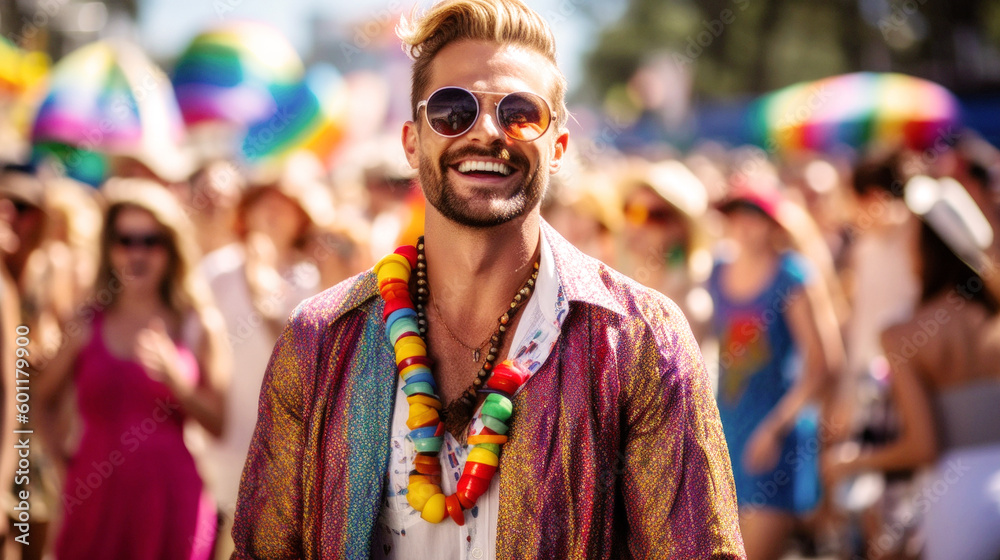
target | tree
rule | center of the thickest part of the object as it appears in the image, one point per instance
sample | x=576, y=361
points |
x=741, y=47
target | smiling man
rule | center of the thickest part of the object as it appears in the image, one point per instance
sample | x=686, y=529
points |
x=490, y=392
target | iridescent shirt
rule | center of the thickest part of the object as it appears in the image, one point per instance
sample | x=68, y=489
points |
x=615, y=450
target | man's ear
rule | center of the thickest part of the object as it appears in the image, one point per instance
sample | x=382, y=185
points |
x=558, y=151
x=411, y=144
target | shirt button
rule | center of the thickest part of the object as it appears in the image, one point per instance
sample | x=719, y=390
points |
x=477, y=552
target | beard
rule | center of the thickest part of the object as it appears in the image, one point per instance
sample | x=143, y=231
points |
x=481, y=211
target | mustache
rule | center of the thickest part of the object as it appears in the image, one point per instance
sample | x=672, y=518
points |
x=495, y=151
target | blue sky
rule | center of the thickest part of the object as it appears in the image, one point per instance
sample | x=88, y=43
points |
x=166, y=26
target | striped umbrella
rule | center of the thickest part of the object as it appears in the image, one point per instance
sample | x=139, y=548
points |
x=232, y=72
x=311, y=116
x=861, y=110
x=107, y=98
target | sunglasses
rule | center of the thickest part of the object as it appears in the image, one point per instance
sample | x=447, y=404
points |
x=141, y=240
x=638, y=214
x=452, y=111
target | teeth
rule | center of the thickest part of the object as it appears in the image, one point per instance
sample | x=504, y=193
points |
x=488, y=166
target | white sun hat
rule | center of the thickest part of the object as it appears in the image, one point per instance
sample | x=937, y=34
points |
x=945, y=206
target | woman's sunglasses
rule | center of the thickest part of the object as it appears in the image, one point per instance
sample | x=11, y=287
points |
x=452, y=111
x=639, y=215
x=144, y=241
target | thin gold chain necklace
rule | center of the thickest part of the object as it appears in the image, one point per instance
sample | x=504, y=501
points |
x=457, y=413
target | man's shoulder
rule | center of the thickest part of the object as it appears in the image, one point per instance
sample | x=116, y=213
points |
x=589, y=280
x=333, y=303
x=592, y=282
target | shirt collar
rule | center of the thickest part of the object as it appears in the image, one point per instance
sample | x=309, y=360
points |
x=579, y=277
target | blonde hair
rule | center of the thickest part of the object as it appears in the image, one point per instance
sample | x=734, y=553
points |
x=183, y=290
x=501, y=21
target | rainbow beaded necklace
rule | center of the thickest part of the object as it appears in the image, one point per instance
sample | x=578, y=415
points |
x=427, y=431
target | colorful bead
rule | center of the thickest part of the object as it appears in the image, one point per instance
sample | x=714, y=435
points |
x=399, y=314
x=434, y=509
x=493, y=448
x=472, y=487
x=412, y=339
x=499, y=407
x=394, y=270
x=416, y=477
x=478, y=470
x=428, y=445
x=387, y=282
x=483, y=438
x=426, y=464
x=401, y=327
x=420, y=416
x=507, y=370
x=410, y=367
x=464, y=500
x=405, y=325
x=396, y=290
x=413, y=388
x=387, y=266
x=409, y=350
x=484, y=456
x=409, y=252
x=454, y=508
x=424, y=400
x=494, y=424
x=504, y=384
x=420, y=433
x=418, y=494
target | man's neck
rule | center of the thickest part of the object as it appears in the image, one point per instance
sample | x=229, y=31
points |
x=474, y=273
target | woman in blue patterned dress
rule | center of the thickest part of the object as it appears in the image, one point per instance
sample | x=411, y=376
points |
x=778, y=347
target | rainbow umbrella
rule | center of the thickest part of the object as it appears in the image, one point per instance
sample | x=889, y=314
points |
x=311, y=116
x=231, y=73
x=87, y=166
x=860, y=110
x=108, y=98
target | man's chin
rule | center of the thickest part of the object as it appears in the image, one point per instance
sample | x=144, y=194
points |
x=480, y=218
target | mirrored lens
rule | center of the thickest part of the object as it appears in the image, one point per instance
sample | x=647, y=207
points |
x=523, y=116
x=452, y=111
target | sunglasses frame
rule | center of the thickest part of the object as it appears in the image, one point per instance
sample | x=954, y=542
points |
x=475, y=95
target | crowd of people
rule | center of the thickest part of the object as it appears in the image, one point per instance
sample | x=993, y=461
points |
x=846, y=307
x=848, y=314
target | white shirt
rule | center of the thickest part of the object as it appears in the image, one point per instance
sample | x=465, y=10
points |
x=251, y=342
x=400, y=533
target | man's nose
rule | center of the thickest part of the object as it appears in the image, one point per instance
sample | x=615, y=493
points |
x=486, y=129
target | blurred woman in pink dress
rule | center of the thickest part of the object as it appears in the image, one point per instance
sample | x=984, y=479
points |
x=148, y=355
